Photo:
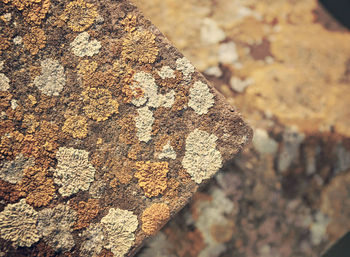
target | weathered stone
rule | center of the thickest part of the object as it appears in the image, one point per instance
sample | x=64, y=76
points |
x=104, y=128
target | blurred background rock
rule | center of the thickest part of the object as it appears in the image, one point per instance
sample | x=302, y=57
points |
x=286, y=65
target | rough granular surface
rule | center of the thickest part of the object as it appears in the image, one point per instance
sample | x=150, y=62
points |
x=106, y=129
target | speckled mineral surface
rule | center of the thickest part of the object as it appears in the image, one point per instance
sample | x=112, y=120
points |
x=106, y=129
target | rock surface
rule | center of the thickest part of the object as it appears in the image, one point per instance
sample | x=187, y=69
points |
x=106, y=129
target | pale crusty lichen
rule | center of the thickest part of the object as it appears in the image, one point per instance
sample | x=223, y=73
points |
x=34, y=40
x=55, y=225
x=140, y=46
x=76, y=126
x=99, y=103
x=18, y=224
x=154, y=217
x=81, y=46
x=52, y=80
x=166, y=72
x=79, y=15
x=12, y=171
x=147, y=84
x=152, y=177
x=144, y=122
x=119, y=227
x=167, y=152
x=94, y=240
x=185, y=66
x=4, y=82
x=201, y=99
x=201, y=159
x=73, y=171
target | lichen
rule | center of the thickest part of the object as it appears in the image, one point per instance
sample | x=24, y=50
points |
x=73, y=171
x=166, y=72
x=99, y=103
x=12, y=171
x=152, y=177
x=34, y=40
x=167, y=152
x=147, y=84
x=119, y=227
x=185, y=66
x=18, y=224
x=140, y=46
x=86, y=212
x=154, y=217
x=36, y=11
x=81, y=46
x=55, y=225
x=201, y=159
x=4, y=82
x=36, y=186
x=76, y=126
x=86, y=68
x=263, y=143
x=201, y=99
x=52, y=80
x=144, y=122
x=79, y=15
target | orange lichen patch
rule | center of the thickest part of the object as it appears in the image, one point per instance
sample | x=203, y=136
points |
x=128, y=130
x=154, y=217
x=79, y=15
x=37, y=11
x=121, y=170
x=129, y=23
x=36, y=186
x=21, y=4
x=4, y=43
x=86, y=212
x=152, y=177
x=99, y=104
x=172, y=190
x=30, y=123
x=76, y=126
x=105, y=253
x=134, y=150
x=6, y=126
x=34, y=40
x=140, y=46
x=9, y=192
x=181, y=99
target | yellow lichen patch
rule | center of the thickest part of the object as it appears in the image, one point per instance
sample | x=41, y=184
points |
x=34, y=40
x=99, y=104
x=79, y=15
x=129, y=23
x=128, y=130
x=76, y=126
x=154, y=217
x=140, y=46
x=36, y=186
x=152, y=177
x=37, y=11
x=86, y=212
x=87, y=68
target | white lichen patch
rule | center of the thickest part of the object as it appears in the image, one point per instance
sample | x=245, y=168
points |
x=167, y=152
x=213, y=71
x=94, y=239
x=184, y=65
x=73, y=172
x=150, y=97
x=239, y=85
x=12, y=171
x=52, y=80
x=18, y=224
x=263, y=143
x=211, y=33
x=201, y=99
x=228, y=53
x=201, y=160
x=1, y=65
x=166, y=73
x=14, y=104
x=318, y=228
x=18, y=40
x=144, y=122
x=119, y=227
x=4, y=82
x=81, y=46
x=55, y=225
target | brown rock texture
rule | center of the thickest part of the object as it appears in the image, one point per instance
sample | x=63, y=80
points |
x=285, y=64
x=106, y=129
